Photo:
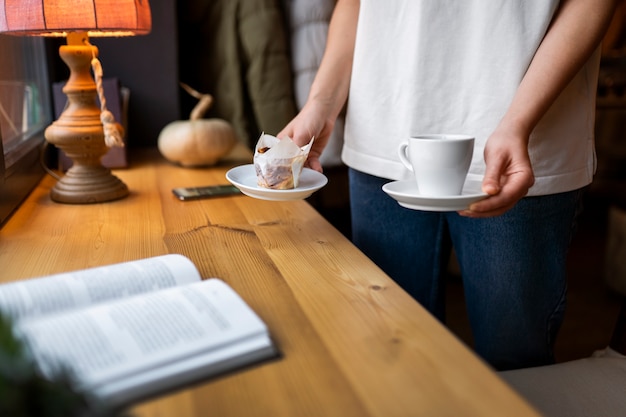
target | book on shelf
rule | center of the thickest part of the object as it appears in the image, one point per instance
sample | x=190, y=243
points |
x=130, y=331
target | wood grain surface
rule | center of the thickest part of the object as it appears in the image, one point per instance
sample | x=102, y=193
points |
x=352, y=342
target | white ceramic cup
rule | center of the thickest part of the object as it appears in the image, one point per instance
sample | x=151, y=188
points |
x=440, y=162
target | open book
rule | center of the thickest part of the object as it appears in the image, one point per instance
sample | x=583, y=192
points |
x=133, y=330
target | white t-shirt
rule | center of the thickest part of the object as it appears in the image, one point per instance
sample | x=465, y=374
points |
x=453, y=66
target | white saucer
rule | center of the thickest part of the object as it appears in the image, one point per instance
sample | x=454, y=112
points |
x=407, y=195
x=244, y=177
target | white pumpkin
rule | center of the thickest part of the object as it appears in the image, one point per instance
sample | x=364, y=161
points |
x=197, y=141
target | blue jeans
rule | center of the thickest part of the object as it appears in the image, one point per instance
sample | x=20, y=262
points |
x=513, y=266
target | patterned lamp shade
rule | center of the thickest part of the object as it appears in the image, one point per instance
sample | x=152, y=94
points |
x=58, y=17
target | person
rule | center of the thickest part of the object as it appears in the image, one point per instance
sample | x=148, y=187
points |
x=520, y=76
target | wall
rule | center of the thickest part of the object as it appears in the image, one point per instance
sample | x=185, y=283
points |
x=148, y=65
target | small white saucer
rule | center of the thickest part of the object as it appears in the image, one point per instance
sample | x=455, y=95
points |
x=407, y=195
x=244, y=177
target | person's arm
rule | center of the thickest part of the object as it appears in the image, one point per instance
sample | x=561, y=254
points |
x=613, y=39
x=575, y=32
x=329, y=90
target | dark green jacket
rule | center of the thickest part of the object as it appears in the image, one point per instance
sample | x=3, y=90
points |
x=238, y=51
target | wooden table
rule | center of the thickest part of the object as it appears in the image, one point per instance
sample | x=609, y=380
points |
x=353, y=343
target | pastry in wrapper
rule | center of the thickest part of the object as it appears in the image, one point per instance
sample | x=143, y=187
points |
x=278, y=162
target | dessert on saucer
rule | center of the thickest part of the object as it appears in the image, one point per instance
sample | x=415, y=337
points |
x=279, y=162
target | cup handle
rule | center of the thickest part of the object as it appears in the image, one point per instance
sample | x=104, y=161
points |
x=402, y=155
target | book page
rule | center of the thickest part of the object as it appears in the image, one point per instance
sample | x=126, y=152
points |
x=114, y=343
x=59, y=292
x=193, y=369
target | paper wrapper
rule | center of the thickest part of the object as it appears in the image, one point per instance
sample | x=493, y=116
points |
x=279, y=162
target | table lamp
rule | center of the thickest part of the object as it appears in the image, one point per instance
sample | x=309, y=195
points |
x=84, y=130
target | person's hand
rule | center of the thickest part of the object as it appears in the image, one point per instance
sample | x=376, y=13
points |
x=311, y=122
x=508, y=174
